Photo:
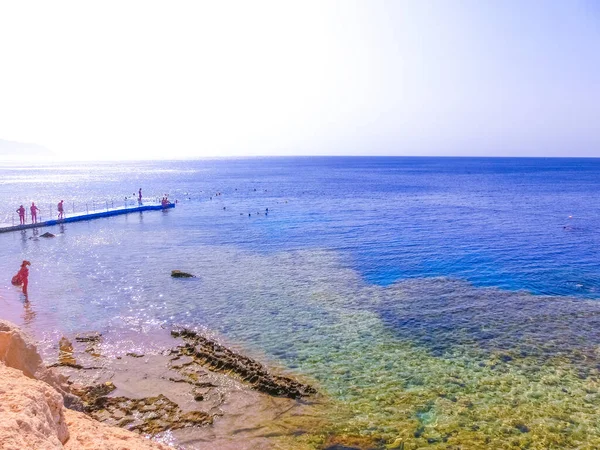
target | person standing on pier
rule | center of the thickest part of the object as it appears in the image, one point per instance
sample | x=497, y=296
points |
x=21, y=212
x=22, y=277
x=34, y=209
x=140, y=196
x=61, y=210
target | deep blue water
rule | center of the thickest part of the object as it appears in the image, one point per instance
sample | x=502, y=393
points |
x=529, y=224
x=512, y=223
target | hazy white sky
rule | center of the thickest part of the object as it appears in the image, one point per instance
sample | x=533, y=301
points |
x=145, y=79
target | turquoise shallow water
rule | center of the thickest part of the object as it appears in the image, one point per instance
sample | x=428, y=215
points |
x=439, y=301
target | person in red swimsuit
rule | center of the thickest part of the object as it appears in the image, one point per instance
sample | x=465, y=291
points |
x=22, y=277
x=21, y=212
x=34, y=209
x=61, y=211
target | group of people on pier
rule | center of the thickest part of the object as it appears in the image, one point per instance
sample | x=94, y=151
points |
x=61, y=209
x=34, y=210
x=22, y=276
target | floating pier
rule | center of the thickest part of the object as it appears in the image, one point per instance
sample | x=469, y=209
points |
x=87, y=216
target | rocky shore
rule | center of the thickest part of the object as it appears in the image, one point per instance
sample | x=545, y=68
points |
x=32, y=405
x=194, y=393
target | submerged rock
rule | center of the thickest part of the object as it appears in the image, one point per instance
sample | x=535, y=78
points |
x=92, y=336
x=221, y=359
x=180, y=274
x=65, y=353
x=47, y=235
x=90, y=394
x=148, y=415
x=66, y=356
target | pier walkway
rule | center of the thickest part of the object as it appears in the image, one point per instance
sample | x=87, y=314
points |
x=87, y=216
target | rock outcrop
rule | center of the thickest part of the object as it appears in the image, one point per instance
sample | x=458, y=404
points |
x=180, y=274
x=219, y=358
x=18, y=350
x=148, y=415
x=89, y=434
x=32, y=412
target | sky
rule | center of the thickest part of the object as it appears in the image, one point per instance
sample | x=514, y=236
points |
x=192, y=79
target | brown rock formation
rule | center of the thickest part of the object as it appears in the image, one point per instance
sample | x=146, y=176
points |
x=18, y=350
x=221, y=359
x=31, y=413
x=89, y=434
x=148, y=415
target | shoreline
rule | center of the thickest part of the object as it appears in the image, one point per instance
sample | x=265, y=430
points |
x=39, y=410
x=186, y=398
x=138, y=357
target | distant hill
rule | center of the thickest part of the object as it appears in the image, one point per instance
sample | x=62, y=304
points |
x=10, y=150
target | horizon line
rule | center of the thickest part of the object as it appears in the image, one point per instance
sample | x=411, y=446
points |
x=231, y=157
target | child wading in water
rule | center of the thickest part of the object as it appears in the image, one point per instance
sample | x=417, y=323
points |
x=22, y=277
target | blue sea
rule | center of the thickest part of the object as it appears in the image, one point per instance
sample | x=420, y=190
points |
x=438, y=302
